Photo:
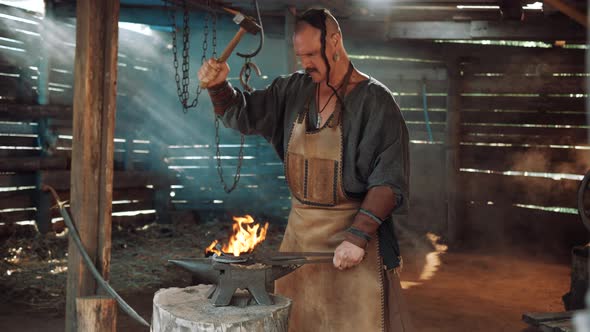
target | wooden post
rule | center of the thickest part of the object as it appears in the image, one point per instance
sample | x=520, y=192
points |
x=452, y=148
x=43, y=203
x=96, y=314
x=162, y=185
x=290, y=13
x=43, y=199
x=128, y=164
x=44, y=60
x=189, y=309
x=95, y=78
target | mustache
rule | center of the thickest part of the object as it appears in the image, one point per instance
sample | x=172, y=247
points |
x=310, y=70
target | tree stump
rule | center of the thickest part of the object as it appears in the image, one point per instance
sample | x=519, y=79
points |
x=189, y=310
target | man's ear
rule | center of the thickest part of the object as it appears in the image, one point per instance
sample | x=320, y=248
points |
x=335, y=38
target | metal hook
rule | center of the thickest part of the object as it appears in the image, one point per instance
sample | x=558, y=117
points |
x=261, y=42
x=248, y=66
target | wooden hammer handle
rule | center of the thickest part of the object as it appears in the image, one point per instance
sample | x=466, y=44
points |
x=227, y=51
x=232, y=44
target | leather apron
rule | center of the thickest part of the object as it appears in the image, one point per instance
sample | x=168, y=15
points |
x=325, y=298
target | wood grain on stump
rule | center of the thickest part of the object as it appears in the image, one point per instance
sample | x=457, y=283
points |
x=189, y=310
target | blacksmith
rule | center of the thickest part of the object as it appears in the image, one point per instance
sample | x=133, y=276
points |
x=344, y=143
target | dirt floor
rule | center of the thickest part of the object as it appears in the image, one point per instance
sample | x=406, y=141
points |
x=446, y=290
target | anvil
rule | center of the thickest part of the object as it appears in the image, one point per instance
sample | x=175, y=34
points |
x=254, y=275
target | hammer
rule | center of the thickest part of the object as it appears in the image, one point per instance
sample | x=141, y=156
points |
x=247, y=24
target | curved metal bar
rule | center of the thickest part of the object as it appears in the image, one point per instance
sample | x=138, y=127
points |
x=89, y=264
x=261, y=42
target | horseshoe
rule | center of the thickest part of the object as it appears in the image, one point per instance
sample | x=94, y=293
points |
x=246, y=82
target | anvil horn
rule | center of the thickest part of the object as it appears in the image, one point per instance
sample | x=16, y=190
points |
x=201, y=268
x=278, y=272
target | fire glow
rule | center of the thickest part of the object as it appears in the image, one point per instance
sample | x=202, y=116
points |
x=246, y=235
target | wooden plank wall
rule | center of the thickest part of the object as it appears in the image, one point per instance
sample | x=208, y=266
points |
x=522, y=111
x=191, y=149
x=19, y=34
x=159, y=151
x=35, y=141
x=19, y=54
x=419, y=82
x=262, y=189
x=263, y=185
x=185, y=144
x=524, y=147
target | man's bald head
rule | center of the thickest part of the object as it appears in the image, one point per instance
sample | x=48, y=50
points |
x=318, y=44
x=318, y=18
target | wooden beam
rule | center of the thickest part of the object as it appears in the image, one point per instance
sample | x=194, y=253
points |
x=158, y=16
x=45, y=60
x=16, y=180
x=540, y=103
x=525, y=85
x=478, y=30
x=451, y=2
x=505, y=226
x=289, y=29
x=546, y=30
x=578, y=136
x=452, y=150
x=60, y=180
x=107, y=136
x=43, y=203
x=570, y=11
x=12, y=112
x=525, y=159
x=429, y=30
x=528, y=117
x=95, y=70
x=507, y=190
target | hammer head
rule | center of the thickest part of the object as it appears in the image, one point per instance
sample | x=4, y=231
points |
x=247, y=23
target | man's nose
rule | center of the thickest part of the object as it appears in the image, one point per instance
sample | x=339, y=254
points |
x=305, y=63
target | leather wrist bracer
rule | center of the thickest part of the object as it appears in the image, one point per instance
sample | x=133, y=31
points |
x=222, y=96
x=377, y=206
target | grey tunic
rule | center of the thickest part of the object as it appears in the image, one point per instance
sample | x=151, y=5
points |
x=375, y=134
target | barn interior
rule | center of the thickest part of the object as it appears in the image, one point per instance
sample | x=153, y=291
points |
x=493, y=92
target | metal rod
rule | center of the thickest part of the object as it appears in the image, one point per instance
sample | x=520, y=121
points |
x=89, y=264
x=297, y=261
x=304, y=253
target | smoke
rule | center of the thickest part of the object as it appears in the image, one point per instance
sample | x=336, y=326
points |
x=185, y=144
x=150, y=123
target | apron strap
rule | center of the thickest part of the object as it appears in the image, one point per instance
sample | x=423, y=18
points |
x=336, y=116
x=302, y=114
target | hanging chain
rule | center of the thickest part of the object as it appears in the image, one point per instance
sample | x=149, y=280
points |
x=182, y=84
x=247, y=71
x=214, y=37
x=226, y=188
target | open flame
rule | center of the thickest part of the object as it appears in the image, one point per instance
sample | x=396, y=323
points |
x=246, y=235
